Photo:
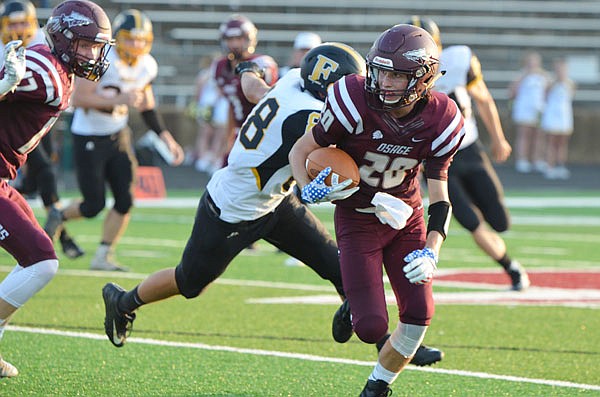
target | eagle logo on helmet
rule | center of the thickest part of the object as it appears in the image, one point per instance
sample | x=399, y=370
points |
x=419, y=55
x=73, y=20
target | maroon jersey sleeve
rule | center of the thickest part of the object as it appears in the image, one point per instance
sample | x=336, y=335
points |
x=28, y=114
x=388, y=151
x=230, y=85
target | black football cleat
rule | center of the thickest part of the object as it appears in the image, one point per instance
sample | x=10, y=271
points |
x=424, y=355
x=70, y=247
x=518, y=277
x=341, y=327
x=376, y=388
x=117, y=325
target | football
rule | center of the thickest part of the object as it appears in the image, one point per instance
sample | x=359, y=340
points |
x=342, y=165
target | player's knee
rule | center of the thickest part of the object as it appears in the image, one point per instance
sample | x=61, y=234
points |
x=123, y=204
x=407, y=338
x=91, y=208
x=190, y=285
x=499, y=224
x=46, y=270
x=370, y=329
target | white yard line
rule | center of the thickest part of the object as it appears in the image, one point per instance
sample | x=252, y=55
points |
x=301, y=356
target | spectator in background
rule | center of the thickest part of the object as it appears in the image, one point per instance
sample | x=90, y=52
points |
x=102, y=140
x=304, y=42
x=557, y=121
x=238, y=41
x=18, y=21
x=475, y=190
x=29, y=106
x=528, y=93
x=211, y=111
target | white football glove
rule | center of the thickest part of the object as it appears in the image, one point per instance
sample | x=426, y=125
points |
x=317, y=191
x=14, y=66
x=421, y=266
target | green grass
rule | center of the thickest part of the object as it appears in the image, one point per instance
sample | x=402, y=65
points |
x=537, y=342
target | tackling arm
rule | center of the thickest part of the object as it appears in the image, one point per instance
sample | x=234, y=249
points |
x=298, y=155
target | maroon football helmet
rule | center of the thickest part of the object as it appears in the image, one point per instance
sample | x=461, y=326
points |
x=405, y=49
x=238, y=26
x=73, y=21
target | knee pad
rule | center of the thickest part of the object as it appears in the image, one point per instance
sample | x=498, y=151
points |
x=19, y=286
x=407, y=338
x=91, y=208
x=188, y=286
x=370, y=329
x=499, y=222
x=123, y=203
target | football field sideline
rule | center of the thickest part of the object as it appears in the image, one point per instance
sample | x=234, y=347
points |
x=300, y=356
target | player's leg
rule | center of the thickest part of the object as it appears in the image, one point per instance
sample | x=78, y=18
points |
x=26, y=241
x=299, y=233
x=207, y=254
x=484, y=193
x=119, y=173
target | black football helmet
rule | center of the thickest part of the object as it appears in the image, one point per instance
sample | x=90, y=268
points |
x=73, y=21
x=238, y=26
x=132, y=25
x=405, y=49
x=18, y=21
x=429, y=25
x=327, y=63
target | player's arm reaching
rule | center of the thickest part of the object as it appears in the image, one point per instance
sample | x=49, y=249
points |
x=252, y=80
x=14, y=67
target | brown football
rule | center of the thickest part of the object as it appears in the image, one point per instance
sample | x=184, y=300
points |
x=342, y=165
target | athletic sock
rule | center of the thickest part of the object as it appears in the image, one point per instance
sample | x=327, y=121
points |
x=130, y=301
x=505, y=262
x=380, y=373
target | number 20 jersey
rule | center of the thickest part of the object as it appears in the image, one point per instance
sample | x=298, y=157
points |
x=258, y=175
x=389, y=151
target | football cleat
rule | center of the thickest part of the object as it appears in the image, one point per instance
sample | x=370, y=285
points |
x=70, y=247
x=341, y=327
x=376, y=388
x=424, y=355
x=7, y=370
x=104, y=261
x=54, y=222
x=117, y=325
x=518, y=277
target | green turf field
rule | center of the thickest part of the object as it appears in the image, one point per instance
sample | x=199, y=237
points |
x=231, y=342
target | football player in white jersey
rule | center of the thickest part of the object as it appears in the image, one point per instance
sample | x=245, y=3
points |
x=102, y=139
x=18, y=21
x=252, y=197
x=475, y=191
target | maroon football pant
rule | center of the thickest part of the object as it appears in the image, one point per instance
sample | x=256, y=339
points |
x=20, y=233
x=365, y=244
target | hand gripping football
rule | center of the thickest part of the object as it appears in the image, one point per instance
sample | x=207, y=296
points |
x=342, y=165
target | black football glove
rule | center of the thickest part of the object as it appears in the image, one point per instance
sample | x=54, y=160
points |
x=249, y=66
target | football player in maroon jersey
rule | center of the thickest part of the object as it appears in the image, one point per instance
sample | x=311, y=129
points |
x=35, y=87
x=18, y=21
x=389, y=122
x=238, y=40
